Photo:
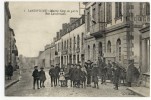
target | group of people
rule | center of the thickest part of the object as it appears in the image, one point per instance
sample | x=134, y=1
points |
x=84, y=75
x=38, y=77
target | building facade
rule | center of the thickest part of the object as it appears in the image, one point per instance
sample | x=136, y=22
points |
x=69, y=42
x=111, y=31
x=11, y=51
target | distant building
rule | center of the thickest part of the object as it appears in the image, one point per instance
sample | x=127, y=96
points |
x=47, y=56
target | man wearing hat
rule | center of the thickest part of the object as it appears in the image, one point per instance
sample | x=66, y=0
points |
x=89, y=72
x=53, y=75
x=42, y=77
x=57, y=70
x=95, y=74
x=35, y=75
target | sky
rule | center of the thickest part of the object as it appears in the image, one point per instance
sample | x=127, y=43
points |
x=33, y=30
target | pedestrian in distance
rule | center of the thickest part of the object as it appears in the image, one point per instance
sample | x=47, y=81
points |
x=62, y=78
x=53, y=75
x=95, y=74
x=35, y=75
x=116, y=77
x=9, y=71
x=42, y=77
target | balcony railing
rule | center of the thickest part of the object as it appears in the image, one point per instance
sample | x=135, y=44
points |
x=97, y=30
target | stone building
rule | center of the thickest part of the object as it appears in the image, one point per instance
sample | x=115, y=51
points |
x=11, y=51
x=112, y=33
x=69, y=44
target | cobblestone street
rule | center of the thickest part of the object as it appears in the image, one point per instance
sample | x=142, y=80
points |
x=24, y=88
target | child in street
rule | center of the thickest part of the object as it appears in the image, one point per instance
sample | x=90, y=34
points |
x=62, y=77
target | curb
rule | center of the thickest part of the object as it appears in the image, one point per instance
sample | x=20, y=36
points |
x=12, y=83
x=137, y=92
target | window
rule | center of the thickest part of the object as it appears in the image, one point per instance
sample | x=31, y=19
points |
x=88, y=22
x=109, y=47
x=74, y=44
x=100, y=49
x=147, y=9
x=118, y=48
x=64, y=45
x=88, y=52
x=67, y=44
x=118, y=10
x=94, y=52
x=94, y=15
x=70, y=43
x=109, y=12
x=78, y=41
x=82, y=40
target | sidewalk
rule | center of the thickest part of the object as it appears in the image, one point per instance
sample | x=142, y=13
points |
x=15, y=79
x=142, y=91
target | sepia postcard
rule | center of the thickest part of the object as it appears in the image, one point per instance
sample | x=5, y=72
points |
x=77, y=49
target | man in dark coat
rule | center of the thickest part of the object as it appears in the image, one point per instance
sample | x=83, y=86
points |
x=42, y=77
x=95, y=74
x=88, y=66
x=132, y=73
x=53, y=75
x=116, y=75
x=9, y=71
x=103, y=72
x=71, y=74
x=109, y=71
x=57, y=69
x=77, y=76
x=83, y=77
x=35, y=75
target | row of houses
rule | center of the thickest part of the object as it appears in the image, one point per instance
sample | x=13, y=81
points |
x=113, y=31
x=11, y=51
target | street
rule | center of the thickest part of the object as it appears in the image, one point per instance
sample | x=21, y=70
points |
x=24, y=88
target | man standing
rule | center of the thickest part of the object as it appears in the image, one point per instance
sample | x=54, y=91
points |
x=89, y=72
x=52, y=73
x=116, y=75
x=42, y=77
x=35, y=75
x=57, y=69
x=95, y=74
x=109, y=70
x=71, y=70
x=103, y=72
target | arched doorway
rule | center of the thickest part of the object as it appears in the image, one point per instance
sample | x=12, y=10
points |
x=100, y=50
